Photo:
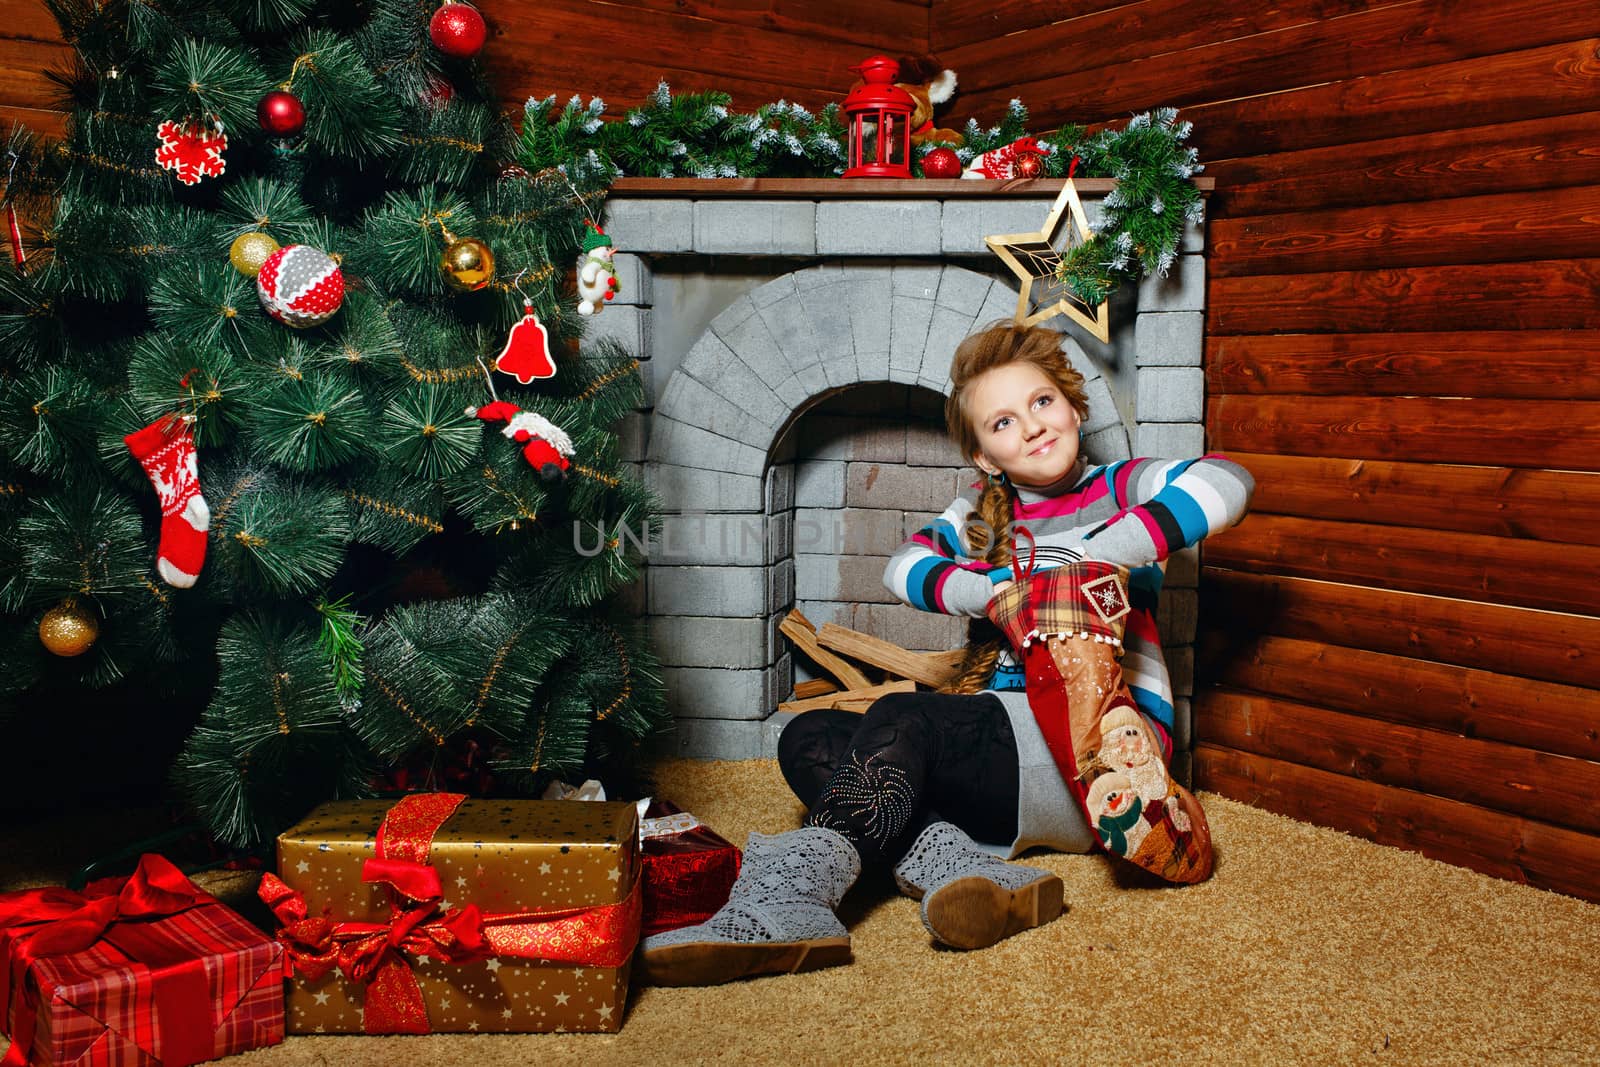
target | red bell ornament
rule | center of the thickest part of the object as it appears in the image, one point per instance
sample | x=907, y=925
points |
x=878, y=117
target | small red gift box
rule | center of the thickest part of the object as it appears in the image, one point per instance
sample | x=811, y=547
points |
x=140, y=970
x=688, y=869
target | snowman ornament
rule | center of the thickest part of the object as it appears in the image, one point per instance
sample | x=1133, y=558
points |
x=597, y=275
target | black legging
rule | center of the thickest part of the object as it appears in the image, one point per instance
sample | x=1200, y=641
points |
x=913, y=759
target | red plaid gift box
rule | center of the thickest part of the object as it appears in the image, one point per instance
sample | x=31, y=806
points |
x=688, y=868
x=147, y=970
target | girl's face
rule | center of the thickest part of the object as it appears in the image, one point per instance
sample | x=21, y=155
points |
x=1026, y=428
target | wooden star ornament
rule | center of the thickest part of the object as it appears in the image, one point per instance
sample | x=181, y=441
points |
x=1035, y=258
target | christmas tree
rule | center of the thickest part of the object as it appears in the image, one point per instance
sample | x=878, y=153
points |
x=255, y=457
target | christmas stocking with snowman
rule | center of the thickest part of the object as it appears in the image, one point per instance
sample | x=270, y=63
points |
x=1066, y=624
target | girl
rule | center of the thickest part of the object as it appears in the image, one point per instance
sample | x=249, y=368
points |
x=1039, y=740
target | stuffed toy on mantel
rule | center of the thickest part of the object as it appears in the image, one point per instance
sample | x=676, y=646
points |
x=929, y=85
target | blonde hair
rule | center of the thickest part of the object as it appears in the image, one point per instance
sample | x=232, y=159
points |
x=998, y=345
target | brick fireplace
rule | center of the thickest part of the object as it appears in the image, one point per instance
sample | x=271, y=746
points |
x=796, y=338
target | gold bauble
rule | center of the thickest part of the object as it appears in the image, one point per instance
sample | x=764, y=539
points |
x=467, y=264
x=249, y=251
x=69, y=628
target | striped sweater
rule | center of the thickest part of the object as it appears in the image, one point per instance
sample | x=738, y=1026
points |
x=1133, y=512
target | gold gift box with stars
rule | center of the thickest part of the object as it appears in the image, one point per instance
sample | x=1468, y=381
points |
x=505, y=856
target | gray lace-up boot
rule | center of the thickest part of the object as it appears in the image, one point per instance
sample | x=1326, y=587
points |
x=779, y=917
x=971, y=899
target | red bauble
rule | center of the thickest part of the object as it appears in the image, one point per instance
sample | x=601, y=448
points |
x=458, y=30
x=281, y=114
x=941, y=163
x=436, y=93
x=1028, y=165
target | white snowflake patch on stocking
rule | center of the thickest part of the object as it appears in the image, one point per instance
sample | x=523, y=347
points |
x=192, y=152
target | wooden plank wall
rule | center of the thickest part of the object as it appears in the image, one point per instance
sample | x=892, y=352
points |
x=758, y=51
x=1403, y=343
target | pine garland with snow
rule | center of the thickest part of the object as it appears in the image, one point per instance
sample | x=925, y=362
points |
x=697, y=135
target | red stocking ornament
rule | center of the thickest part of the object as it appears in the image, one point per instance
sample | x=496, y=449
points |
x=545, y=445
x=165, y=449
x=526, y=355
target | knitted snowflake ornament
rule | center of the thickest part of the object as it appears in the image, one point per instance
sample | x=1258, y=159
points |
x=193, y=152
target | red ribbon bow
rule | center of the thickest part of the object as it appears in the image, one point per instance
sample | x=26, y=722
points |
x=55, y=921
x=375, y=953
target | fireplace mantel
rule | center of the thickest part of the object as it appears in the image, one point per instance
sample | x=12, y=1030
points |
x=863, y=188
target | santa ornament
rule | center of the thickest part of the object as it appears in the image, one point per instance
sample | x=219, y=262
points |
x=545, y=445
x=300, y=286
x=597, y=275
x=1022, y=158
x=191, y=151
x=526, y=356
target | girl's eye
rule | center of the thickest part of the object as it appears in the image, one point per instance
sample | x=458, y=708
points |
x=1000, y=424
x=1043, y=401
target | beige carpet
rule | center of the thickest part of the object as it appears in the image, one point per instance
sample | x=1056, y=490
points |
x=1306, y=947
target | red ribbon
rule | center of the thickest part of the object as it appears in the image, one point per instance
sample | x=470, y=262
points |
x=376, y=953
x=35, y=923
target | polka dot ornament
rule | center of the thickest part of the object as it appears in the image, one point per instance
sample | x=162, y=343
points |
x=300, y=286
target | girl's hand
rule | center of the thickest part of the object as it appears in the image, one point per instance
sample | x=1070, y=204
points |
x=1001, y=587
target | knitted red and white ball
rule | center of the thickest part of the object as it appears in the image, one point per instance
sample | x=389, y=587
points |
x=300, y=286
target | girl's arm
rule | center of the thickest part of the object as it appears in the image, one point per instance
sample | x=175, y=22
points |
x=1167, y=505
x=932, y=571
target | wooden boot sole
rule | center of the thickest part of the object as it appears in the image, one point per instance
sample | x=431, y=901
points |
x=716, y=962
x=975, y=912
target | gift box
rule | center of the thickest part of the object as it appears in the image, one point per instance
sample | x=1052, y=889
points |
x=689, y=868
x=443, y=914
x=140, y=970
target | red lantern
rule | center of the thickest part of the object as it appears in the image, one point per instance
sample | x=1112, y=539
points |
x=879, y=116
